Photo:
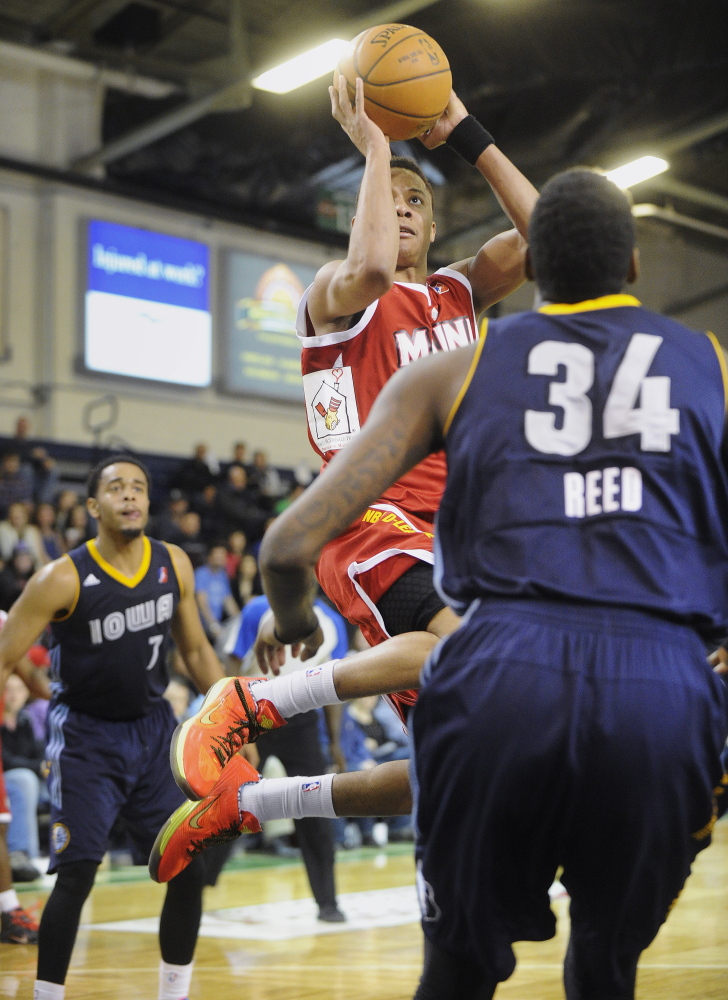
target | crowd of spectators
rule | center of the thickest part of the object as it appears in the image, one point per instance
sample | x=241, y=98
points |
x=216, y=511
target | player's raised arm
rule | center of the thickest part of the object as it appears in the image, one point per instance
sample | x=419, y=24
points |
x=187, y=630
x=343, y=288
x=49, y=593
x=405, y=424
x=499, y=266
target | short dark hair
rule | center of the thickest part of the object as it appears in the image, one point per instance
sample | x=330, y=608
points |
x=405, y=163
x=581, y=237
x=94, y=476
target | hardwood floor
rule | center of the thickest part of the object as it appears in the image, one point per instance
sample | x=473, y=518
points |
x=688, y=960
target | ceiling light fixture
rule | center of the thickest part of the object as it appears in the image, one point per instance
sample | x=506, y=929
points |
x=637, y=171
x=302, y=69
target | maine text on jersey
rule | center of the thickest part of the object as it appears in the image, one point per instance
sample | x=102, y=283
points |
x=445, y=336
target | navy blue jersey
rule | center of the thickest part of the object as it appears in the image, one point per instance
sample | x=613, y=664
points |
x=584, y=463
x=109, y=650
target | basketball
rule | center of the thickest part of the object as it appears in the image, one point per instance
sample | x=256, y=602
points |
x=406, y=76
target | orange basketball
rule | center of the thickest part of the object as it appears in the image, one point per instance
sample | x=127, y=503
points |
x=406, y=78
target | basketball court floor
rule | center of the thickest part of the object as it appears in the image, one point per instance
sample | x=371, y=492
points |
x=261, y=940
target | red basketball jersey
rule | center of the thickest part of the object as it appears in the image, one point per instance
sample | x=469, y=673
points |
x=344, y=372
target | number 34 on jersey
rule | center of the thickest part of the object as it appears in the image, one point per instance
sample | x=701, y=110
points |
x=637, y=404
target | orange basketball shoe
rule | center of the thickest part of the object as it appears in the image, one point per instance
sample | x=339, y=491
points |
x=228, y=718
x=18, y=927
x=195, y=826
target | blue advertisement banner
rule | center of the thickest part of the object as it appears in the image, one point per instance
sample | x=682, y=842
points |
x=140, y=264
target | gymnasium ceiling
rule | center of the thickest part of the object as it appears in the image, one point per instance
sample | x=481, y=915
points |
x=558, y=82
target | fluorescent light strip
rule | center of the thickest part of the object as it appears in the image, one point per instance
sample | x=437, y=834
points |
x=637, y=171
x=302, y=69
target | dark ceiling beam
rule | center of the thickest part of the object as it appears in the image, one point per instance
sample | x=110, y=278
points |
x=689, y=192
x=647, y=211
x=198, y=205
x=58, y=23
x=191, y=10
x=233, y=94
x=10, y=23
x=699, y=132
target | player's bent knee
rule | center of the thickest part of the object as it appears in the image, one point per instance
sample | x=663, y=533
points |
x=77, y=877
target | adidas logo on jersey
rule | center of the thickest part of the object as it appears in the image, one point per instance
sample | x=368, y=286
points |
x=91, y=581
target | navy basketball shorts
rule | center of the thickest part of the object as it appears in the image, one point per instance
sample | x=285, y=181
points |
x=550, y=734
x=101, y=769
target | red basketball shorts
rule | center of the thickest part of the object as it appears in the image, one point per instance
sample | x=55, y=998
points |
x=359, y=566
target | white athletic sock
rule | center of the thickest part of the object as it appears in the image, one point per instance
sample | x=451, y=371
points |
x=48, y=991
x=9, y=901
x=288, y=798
x=300, y=691
x=174, y=981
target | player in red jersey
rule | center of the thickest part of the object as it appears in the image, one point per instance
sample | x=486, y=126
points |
x=361, y=320
x=377, y=311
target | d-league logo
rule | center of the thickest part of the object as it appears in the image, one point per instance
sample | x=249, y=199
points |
x=60, y=837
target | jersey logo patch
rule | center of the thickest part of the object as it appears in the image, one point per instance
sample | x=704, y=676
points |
x=60, y=837
x=91, y=581
x=163, y=575
x=333, y=416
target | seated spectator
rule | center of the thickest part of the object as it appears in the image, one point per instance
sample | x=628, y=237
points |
x=22, y=756
x=16, y=529
x=167, y=524
x=22, y=435
x=247, y=583
x=240, y=454
x=205, y=504
x=363, y=718
x=80, y=527
x=16, y=481
x=45, y=475
x=237, y=543
x=266, y=477
x=197, y=472
x=369, y=737
x=240, y=505
x=15, y=575
x=190, y=538
x=212, y=590
x=67, y=500
x=44, y=469
x=51, y=538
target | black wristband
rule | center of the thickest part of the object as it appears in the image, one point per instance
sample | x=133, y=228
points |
x=469, y=139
